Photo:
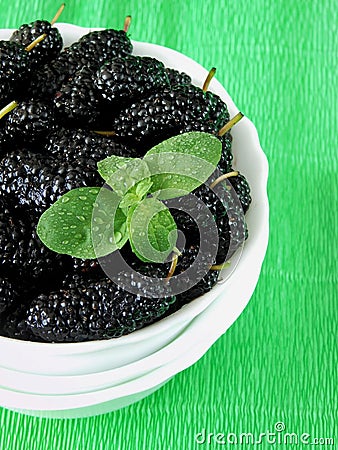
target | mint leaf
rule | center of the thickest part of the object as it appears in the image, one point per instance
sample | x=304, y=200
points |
x=143, y=187
x=182, y=163
x=152, y=230
x=108, y=166
x=136, y=194
x=70, y=224
x=129, y=199
x=109, y=227
x=123, y=174
x=202, y=145
x=130, y=232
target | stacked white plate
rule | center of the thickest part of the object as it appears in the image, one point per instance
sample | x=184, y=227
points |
x=84, y=379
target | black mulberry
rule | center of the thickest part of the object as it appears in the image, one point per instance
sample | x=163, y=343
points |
x=97, y=310
x=126, y=79
x=47, y=49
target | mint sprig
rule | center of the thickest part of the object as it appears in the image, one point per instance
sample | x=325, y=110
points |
x=93, y=222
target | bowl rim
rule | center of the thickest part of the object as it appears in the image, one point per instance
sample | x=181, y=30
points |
x=198, y=305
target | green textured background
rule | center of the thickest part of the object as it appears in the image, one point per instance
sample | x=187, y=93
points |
x=278, y=362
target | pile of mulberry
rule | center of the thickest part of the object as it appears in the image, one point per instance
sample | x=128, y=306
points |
x=73, y=108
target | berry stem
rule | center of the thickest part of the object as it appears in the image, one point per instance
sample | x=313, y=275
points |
x=34, y=43
x=230, y=124
x=208, y=79
x=127, y=22
x=105, y=133
x=220, y=266
x=222, y=178
x=58, y=14
x=7, y=109
x=174, y=261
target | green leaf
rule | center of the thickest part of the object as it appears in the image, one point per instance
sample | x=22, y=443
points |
x=109, y=227
x=143, y=187
x=108, y=166
x=85, y=223
x=182, y=163
x=202, y=145
x=129, y=199
x=123, y=174
x=136, y=194
x=152, y=230
x=129, y=217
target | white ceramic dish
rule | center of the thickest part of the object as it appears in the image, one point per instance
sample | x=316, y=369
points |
x=75, y=379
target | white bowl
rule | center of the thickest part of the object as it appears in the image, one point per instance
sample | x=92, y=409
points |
x=72, y=380
x=86, y=395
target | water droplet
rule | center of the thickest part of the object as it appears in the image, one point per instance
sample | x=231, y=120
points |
x=98, y=220
x=81, y=218
x=96, y=229
x=117, y=236
x=65, y=242
x=65, y=199
x=83, y=197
